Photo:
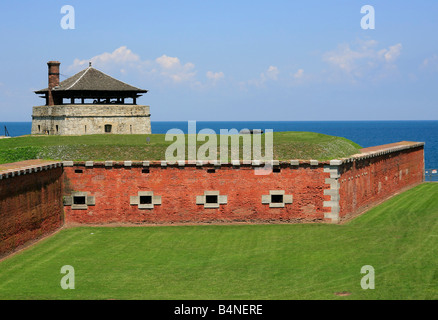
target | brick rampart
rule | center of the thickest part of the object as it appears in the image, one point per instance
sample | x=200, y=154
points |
x=296, y=191
x=377, y=174
x=30, y=204
x=181, y=193
x=36, y=200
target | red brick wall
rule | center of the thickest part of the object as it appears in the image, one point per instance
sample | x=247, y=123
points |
x=30, y=207
x=362, y=184
x=366, y=182
x=179, y=187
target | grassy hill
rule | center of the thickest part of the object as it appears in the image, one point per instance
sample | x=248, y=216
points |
x=287, y=145
x=399, y=239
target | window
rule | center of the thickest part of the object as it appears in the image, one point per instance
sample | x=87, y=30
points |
x=79, y=200
x=211, y=199
x=57, y=128
x=211, y=170
x=79, y=171
x=276, y=198
x=145, y=199
x=145, y=171
x=39, y=128
x=277, y=170
x=108, y=128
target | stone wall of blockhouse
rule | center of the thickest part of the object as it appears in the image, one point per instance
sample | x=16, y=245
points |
x=91, y=119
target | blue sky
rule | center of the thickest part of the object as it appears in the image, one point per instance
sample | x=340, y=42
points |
x=232, y=60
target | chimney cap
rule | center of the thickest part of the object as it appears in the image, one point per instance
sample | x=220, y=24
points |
x=53, y=62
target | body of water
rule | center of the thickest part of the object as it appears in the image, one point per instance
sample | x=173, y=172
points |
x=365, y=133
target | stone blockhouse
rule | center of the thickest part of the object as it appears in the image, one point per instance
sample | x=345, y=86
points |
x=90, y=102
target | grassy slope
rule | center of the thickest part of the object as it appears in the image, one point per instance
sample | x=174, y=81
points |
x=287, y=145
x=399, y=239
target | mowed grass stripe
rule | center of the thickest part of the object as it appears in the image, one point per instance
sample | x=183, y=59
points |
x=410, y=246
x=307, y=261
x=37, y=257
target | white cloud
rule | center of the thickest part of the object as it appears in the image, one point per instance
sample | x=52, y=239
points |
x=215, y=76
x=363, y=59
x=120, y=56
x=299, y=74
x=271, y=74
x=430, y=63
x=392, y=53
x=168, y=62
x=124, y=61
x=171, y=68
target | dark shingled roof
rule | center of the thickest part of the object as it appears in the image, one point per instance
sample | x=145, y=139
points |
x=91, y=79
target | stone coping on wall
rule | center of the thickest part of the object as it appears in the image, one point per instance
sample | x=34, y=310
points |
x=197, y=163
x=377, y=151
x=10, y=170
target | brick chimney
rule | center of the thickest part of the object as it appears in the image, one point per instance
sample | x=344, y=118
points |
x=53, y=79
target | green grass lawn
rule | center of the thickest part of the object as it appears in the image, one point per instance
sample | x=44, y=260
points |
x=304, y=261
x=287, y=145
